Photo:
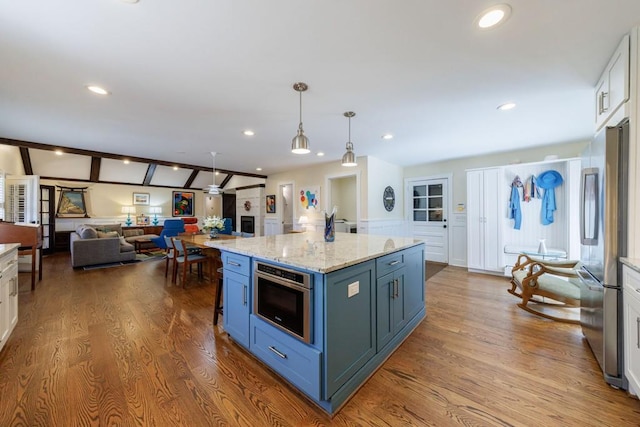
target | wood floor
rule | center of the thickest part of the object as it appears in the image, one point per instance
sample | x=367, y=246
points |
x=122, y=346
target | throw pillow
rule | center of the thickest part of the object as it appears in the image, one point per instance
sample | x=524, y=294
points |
x=102, y=234
x=86, y=232
x=132, y=233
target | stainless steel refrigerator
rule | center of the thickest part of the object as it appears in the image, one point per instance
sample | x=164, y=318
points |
x=603, y=234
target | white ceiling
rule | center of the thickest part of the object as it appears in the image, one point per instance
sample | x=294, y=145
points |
x=187, y=77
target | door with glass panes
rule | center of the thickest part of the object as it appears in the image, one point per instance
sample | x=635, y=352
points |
x=428, y=220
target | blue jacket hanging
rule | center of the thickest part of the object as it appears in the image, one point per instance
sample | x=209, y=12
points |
x=548, y=206
x=514, y=203
x=548, y=180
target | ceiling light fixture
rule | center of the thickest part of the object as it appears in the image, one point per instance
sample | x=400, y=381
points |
x=507, y=106
x=248, y=132
x=130, y=1
x=300, y=143
x=214, y=189
x=387, y=136
x=494, y=15
x=349, y=158
x=258, y=169
x=320, y=154
x=98, y=90
x=58, y=152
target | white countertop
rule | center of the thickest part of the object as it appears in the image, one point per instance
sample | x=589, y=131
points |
x=633, y=263
x=5, y=248
x=309, y=251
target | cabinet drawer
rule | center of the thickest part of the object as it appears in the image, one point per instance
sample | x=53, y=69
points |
x=238, y=263
x=291, y=358
x=631, y=281
x=389, y=263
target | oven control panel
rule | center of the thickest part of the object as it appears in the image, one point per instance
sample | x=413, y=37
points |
x=301, y=279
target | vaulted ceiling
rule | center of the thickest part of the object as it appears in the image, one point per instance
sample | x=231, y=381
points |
x=59, y=163
x=187, y=78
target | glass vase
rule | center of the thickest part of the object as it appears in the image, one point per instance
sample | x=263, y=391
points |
x=213, y=233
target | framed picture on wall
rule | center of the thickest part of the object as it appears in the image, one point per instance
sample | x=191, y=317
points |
x=271, y=203
x=141, y=198
x=183, y=203
x=71, y=204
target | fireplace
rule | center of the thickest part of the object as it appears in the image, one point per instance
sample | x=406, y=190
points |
x=247, y=224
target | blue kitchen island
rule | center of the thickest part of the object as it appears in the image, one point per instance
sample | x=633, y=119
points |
x=324, y=316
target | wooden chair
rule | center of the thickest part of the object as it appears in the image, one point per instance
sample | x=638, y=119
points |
x=186, y=259
x=170, y=254
x=539, y=280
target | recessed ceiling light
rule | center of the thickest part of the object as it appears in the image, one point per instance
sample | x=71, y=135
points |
x=387, y=136
x=217, y=173
x=58, y=152
x=98, y=90
x=507, y=106
x=494, y=15
x=175, y=168
x=248, y=132
x=126, y=161
x=258, y=169
x=319, y=154
x=130, y=1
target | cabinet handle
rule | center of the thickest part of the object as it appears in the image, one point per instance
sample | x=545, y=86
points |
x=244, y=295
x=395, y=288
x=15, y=287
x=603, y=96
x=276, y=351
x=235, y=264
x=394, y=262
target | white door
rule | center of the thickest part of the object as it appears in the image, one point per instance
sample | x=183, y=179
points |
x=429, y=201
x=285, y=208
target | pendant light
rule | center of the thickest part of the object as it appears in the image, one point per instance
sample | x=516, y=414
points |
x=349, y=158
x=300, y=143
x=214, y=189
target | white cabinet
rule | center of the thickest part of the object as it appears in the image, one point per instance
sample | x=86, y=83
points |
x=612, y=89
x=483, y=220
x=8, y=294
x=631, y=298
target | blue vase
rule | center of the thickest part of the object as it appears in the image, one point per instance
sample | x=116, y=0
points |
x=213, y=233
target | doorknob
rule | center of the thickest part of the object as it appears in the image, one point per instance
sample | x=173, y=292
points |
x=444, y=226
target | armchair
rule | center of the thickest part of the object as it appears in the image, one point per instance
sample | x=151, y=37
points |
x=555, y=280
x=172, y=227
x=227, y=226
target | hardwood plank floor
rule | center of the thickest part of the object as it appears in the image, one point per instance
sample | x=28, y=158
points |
x=123, y=346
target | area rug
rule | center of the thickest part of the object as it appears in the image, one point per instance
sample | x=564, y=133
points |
x=147, y=256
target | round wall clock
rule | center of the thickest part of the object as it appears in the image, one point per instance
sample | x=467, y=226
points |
x=389, y=198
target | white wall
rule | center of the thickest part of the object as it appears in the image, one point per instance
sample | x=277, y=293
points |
x=381, y=174
x=10, y=160
x=458, y=190
x=105, y=201
x=343, y=195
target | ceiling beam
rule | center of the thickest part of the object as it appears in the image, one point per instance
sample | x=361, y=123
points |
x=226, y=180
x=26, y=161
x=149, y=175
x=191, y=178
x=81, y=152
x=94, y=176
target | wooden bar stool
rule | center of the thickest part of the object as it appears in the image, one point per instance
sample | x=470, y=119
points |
x=217, y=309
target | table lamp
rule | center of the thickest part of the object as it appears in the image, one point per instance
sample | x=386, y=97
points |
x=155, y=210
x=128, y=210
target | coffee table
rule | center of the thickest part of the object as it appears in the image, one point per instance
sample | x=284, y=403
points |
x=143, y=245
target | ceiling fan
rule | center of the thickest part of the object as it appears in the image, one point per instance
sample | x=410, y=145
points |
x=213, y=189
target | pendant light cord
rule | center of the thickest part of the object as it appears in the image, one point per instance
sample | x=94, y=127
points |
x=300, y=125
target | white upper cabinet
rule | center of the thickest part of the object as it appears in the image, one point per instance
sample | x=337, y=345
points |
x=612, y=89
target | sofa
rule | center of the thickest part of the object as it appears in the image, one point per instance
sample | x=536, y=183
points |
x=94, y=244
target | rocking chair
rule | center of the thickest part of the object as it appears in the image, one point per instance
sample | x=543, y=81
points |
x=538, y=280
